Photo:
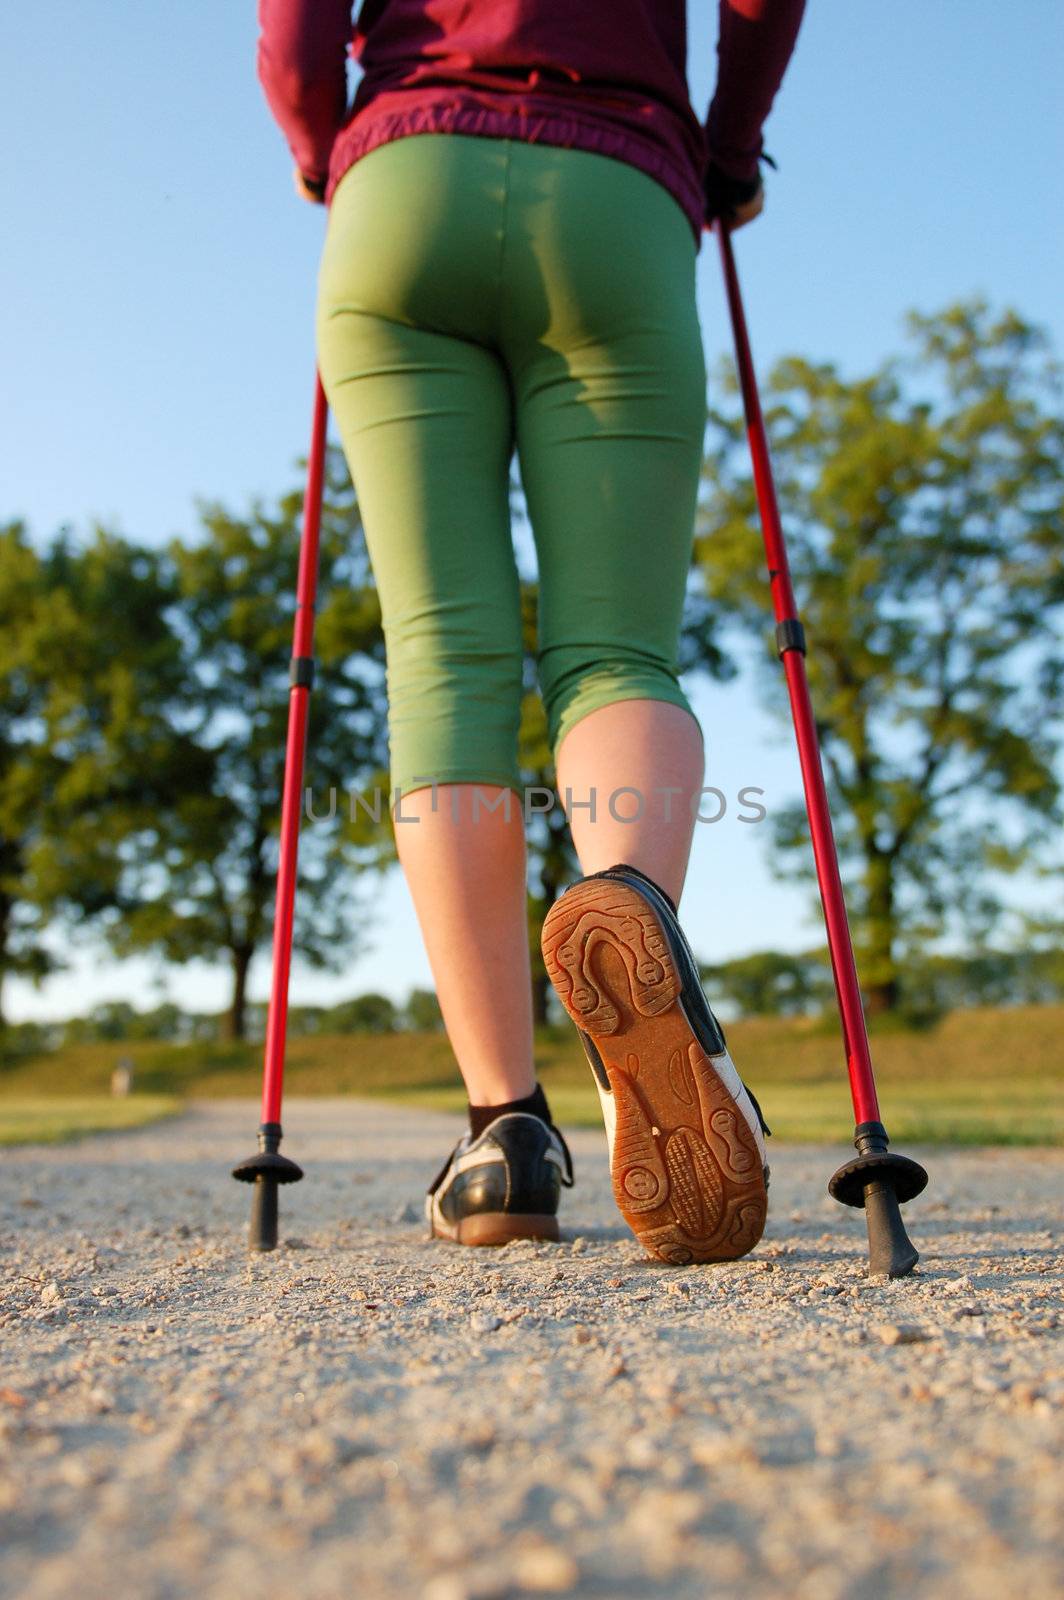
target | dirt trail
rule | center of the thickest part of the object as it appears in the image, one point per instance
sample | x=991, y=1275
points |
x=367, y=1413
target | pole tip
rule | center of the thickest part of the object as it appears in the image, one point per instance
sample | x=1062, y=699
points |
x=891, y=1253
x=262, y=1229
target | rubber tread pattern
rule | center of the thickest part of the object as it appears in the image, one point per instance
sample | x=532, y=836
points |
x=687, y=1173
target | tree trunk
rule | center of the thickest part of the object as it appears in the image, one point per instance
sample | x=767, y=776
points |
x=540, y=995
x=236, y=1017
x=881, y=998
x=880, y=986
x=550, y=876
x=5, y=920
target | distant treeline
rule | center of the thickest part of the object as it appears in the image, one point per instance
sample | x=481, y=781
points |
x=767, y=983
x=118, y=1022
x=774, y=983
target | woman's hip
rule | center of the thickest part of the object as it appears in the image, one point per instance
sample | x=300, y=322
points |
x=506, y=242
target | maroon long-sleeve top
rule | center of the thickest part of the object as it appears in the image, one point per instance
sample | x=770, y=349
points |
x=600, y=75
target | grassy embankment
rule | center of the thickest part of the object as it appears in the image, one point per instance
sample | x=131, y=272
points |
x=50, y=1119
x=980, y=1077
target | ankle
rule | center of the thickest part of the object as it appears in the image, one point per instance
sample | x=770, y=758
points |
x=534, y=1105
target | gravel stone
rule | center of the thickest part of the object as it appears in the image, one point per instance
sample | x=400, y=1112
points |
x=901, y=1333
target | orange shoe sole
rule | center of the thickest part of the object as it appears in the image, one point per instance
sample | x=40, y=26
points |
x=688, y=1176
x=499, y=1228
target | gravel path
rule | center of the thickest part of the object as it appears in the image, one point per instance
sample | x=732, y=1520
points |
x=368, y=1414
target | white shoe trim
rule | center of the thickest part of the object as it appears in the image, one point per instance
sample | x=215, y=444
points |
x=609, y=1114
x=724, y=1067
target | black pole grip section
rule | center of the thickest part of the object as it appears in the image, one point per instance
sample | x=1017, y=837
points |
x=262, y=1231
x=301, y=672
x=790, y=635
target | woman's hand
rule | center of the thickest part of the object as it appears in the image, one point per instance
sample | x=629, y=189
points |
x=309, y=188
x=735, y=201
x=747, y=211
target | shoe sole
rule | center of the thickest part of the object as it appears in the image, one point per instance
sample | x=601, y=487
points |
x=498, y=1227
x=687, y=1173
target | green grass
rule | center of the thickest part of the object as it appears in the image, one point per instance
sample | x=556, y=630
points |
x=984, y=1076
x=56, y=1119
x=820, y=1113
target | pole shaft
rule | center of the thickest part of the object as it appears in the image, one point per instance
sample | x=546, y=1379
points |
x=295, y=752
x=829, y=879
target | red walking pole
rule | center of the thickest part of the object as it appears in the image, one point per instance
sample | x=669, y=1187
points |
x=877, y=1179
x=267, y=1168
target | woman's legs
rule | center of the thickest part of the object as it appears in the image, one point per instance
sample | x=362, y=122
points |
x=465, y=867
x=428, y=335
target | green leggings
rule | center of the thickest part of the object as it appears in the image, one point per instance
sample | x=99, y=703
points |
x=481, y=295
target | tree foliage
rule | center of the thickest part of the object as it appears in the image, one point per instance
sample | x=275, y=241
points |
x=91, y=673
x=421, y=1013
x=771, y=983
x=923, y=510
x=199, y=878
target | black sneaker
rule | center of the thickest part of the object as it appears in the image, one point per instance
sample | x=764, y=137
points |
x=686, y=1137
x=504, y=1185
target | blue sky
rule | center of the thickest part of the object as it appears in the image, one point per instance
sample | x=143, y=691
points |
x=156, y=295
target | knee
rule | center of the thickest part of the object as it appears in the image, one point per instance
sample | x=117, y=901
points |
x=454, y=717
x=574, y=683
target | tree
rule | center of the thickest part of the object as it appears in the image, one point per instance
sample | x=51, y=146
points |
x=422, y=1014
x=1028, y=975
x=21, y=754
x=771, y=983
x=366, y=1013
x=200, y=878
x=90, y=672
x=923, y=510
